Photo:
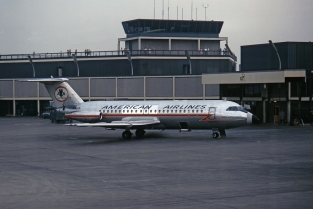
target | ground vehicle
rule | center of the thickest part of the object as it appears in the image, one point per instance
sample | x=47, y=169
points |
x=46, y=114
x=57, y=116
x=301, y=117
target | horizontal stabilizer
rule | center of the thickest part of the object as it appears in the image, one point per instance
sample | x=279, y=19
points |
x=45, y=80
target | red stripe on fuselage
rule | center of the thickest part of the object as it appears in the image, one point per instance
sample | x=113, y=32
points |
x=136, y=115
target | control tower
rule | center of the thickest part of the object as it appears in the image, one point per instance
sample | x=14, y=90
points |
x=160, y=38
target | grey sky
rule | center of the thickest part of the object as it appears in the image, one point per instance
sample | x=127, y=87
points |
x=58, y=25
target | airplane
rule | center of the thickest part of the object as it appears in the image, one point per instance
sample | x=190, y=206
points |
x=184, y=115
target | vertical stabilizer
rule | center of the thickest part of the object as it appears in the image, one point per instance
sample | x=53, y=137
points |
x=59, y=90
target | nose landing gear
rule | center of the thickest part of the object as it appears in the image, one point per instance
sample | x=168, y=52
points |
x=218, y=133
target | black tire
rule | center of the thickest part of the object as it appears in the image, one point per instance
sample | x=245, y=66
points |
x=215, y=135
x=126, y=135
x=140, y=133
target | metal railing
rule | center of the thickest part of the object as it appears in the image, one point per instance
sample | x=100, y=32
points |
x=144, y=52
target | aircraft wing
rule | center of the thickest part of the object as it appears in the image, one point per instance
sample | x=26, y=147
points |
x=129, y=123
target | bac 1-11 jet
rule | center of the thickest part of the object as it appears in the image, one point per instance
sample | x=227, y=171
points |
x=184, y=115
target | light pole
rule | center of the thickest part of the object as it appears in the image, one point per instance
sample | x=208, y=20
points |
x=131, y=63
x=188, y=58
x=205, y=10
x=75, y=60
x=31, y=62
x=272, y=44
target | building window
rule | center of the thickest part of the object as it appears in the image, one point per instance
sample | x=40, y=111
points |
x=253, y=90
x=186, y=69
x=231, y=90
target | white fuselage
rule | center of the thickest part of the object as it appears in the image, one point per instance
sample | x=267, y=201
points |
x=191, y=114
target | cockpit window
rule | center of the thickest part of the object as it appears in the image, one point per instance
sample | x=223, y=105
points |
x=236, y=108
x=231, y=109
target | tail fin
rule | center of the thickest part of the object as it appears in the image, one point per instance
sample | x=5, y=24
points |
x=59, y=90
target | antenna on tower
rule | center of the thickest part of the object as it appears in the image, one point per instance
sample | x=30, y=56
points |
x=191, y=8
x=207, y=5
x=162, y=9
x=182, y=13
x=168, y=9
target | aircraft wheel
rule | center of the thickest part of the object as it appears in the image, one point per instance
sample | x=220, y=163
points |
x=216, y=135
x=127, y=135
x=140, y=132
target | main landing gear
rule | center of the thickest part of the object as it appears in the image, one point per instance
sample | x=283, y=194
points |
x=218, y=133
x=127, y=134
x=139, y=133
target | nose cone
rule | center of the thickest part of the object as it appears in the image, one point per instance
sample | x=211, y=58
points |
x=255, y=120
x=252, y=119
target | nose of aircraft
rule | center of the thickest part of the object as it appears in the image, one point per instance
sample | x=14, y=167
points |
x=252, y=119
x=255, y=120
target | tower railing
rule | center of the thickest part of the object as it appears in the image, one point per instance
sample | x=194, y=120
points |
x=143, y=52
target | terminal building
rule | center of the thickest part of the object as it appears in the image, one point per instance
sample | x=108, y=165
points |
x=272, y=81
x=169, y=59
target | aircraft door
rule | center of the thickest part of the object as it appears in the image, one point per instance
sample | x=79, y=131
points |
x=212, y=111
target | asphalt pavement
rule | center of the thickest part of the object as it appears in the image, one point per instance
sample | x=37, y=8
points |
x=48, y=165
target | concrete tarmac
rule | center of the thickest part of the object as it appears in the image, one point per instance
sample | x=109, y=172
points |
x=45, y=165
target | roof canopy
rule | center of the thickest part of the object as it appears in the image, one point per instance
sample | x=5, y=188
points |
x=171, y=26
